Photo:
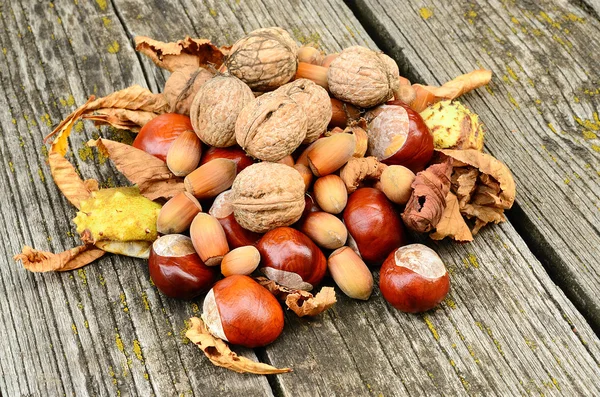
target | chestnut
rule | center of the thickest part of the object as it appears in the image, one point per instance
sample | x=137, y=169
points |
x=373, y=224
x=398, y=136
x=177, y=270
x=242, y=312
x=291, y=258
x=157, y=135
x=236, y=235
x=414, y=279
x=235, y=153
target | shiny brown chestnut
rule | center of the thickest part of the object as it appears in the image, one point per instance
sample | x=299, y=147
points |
x=235, y=153
x=291, y=258
x=398, y=136
x=414, y=279
x=177, y=270
x=242, y=312
x=157, y=135
x=373, y=224
x=236, y=235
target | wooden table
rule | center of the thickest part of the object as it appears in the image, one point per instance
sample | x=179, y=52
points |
x=524, y=310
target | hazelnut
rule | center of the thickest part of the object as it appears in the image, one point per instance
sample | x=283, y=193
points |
x=271, y=126
x=242, y=312
x=242, y=260
x=325, y=230
x=350, y=273
x=395, y=181
x=210, y=179
x=331, y=194
x=362, y=77
x=216, y=107
x=177, y=214
x=209, y=239
x=266, y=196
x=414, y=279
x=182, y=85
x=329, y=154
x=264, y=59
x=184, y=154
x=310, y=54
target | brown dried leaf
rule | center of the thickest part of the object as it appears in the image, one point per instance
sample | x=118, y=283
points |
x=357, y=170
x=427, y=95
x=134, y=99
x=42, y=261
x=452, y=223
x=492, y=167
x=183, y=53
x=68, y=181
x=151, y=174
x=428, y=200
x=220, y=355
x=483, y=215
x=464, y=181
x=303, y=303
x=124, y=119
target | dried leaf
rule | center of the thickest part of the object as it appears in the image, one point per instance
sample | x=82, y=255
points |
x=494, y=168
x=124, y=119
x=183, y=53
x=452, y=223
x=134, y=99
x=428, y=200
x=427, y=95
x=302, y=303
x=135, y=249
x=464, y=181
x=220, y=355
x=357, y=170
x=68, y=181
x=151, y=174
x=42, y=261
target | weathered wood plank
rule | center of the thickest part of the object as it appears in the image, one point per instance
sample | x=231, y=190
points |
x=541, y=112
x=497, y=334
x=103, y=330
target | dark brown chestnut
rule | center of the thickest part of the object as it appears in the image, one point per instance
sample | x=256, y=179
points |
x=177, y=270
x=235, y=153
x=157, y=135
x=373, y=224
x=236, y=235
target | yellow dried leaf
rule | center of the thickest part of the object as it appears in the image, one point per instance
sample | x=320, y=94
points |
x=151, y=174
x=183, y=53
x=220, y=355
x=302, y=303
x=68, y=181
x=427, y=95
x=134, y=99
x=452, y=223
x=42, y=261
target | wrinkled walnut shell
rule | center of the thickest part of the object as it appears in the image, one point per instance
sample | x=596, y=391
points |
x=363, y=77
x=271, y=127
x=181, y=88
x=216, y=107
x=264, y=59
x=316, y=103
x=266, y=196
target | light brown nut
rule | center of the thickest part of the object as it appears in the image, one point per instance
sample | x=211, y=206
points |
x=266, y=196
x=362, y=77
x=271, y=126
x=216, y=108
x=264, y=59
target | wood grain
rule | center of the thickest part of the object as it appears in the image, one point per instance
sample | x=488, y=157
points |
x=505, y=329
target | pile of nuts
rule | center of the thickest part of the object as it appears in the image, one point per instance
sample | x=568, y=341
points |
x=297, y=165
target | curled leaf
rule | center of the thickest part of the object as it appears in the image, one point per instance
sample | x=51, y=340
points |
x=151, y=174
x=135, y=99
x=302, y=303
x=124, y=119
x=220, y=355
x=357, y=170
x=42, y=261
x=452, y=224
x=68, y=181
x=428, y=200
x=183, y=53
x=427, y=95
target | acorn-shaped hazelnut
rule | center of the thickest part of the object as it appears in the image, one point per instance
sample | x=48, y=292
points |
x=331, y=193
x=184, y=154
x=211, y=178
x=242, y=312
x=177, y=270
x=395, y=181
x=398, y=136
x=177, y=214
x=242, y=260
x=290, y=258
x=414, y=279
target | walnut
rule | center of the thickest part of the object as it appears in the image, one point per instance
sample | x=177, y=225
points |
x=267, y=195
x=264, y=59
x=216, y=107
x=363, y=77
x=271, y=126
x=182, y=86
x=316, y=103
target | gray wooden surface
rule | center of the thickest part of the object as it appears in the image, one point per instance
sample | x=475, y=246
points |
x=506, y=328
